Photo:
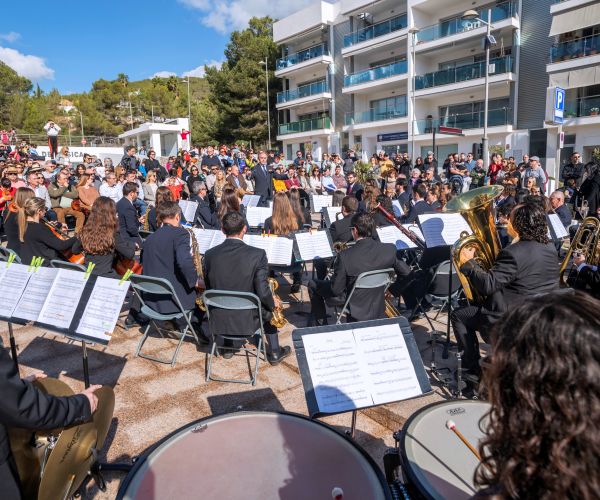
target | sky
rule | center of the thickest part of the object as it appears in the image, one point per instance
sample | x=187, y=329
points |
x=68, y=44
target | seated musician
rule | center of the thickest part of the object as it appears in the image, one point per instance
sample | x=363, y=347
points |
x=163, y=194
x=23, y=405
x=588, y=277
x=129, y=222
x=229, y=202
x=386, y=203
x=525, y=268
x=37, y=239
x=365, y=255
x=100, y=239
x=12, y=214
x=302, y=212
x=251, y=277
x=205, y=217
x=341, y=229
x=542, y=437
x=419, y=205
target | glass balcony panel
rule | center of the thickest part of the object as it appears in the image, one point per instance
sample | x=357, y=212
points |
x=574, y=49
x=377, y=73
x=304, y=126
x=375, y=114
x=302, y=91
x=380, y=29
x=496, y=118
x=303, y=55
x=583, y=106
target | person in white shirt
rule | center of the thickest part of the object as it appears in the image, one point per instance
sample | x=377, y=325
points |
x=111, y=188
x=52, y=130
x=34, y=182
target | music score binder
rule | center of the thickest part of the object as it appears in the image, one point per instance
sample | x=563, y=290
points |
x=313, y=245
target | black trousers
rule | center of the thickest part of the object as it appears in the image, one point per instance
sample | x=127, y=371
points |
x=271, y=334
x=9, y=480
x=466, y=322
x=53, y=145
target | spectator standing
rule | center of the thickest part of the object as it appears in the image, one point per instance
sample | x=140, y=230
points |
x=536, y=171
x=52, y=131
x=574, y=170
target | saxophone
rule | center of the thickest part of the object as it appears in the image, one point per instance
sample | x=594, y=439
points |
x=278, y=320
x=197, y=258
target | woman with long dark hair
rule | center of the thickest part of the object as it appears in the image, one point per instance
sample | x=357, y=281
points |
x=14, y=212
x=230, y=202
x=543, y=384
x=302, y=213
x=163, y=193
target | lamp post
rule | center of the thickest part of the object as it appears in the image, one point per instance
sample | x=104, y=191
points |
x=82, y=133
x=189, y=112
x=266, y=64
x=473, y=15
x=413, y=31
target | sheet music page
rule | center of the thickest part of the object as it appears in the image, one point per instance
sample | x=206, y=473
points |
x=391, y=234
x=331, y=214
x=397, y=208
x=218, y=238
x=443, y=229
x=335, y=370
x=281, y=251
x=35, y=293
x=314, y=244
x=103, y=308
x=12, y=285
x=389, y=371
x=190, y=210
x=63, y=298
x=557, y=226
x=259, y=241
x=204, y=238
x=250, y=200
x=256, y=216
x=319, y=201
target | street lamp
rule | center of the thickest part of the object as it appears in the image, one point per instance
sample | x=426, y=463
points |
x=189, y=112
x=266, y=65
x=473, y=15
x=413, y=31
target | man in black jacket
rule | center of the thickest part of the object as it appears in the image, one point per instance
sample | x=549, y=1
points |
x=129, y=161
x=525, y=268
x=205, y=217
x=574, y=170
x=129, y=223
x=354, y=187
x=263, y=176
x=341, y=229
x=419, y=207
x=23, y=405
x=365, y=255
x=251, y=274
x=152, y=164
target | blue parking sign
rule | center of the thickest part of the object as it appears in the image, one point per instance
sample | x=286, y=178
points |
x=559, y=104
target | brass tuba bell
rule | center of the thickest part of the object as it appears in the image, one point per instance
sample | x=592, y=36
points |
x=586, y=242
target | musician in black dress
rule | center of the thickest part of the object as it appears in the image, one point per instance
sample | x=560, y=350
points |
x=13, y=212
x=163, y=193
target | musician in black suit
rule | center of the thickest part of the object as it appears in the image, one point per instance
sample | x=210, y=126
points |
x=365, y=255
x=249, y=277
x=205, y=217
x=129, y=224
x=341, y=229
x=525, y=268
x=354, y=188
x=263, y=175
x=419, y=207
x=588, y=276
x=23, y=405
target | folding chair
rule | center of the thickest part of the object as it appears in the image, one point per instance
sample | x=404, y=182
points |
x=160, y=287
x=234, y=301
x=5, y=254
x=63, y=264
x=380, y=278
x=437, y=290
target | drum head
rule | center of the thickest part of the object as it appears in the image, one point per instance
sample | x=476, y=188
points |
x=436, y=461
x=254, y=455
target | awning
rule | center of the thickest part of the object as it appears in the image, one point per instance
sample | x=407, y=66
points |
x=575, y=19
x=576, y=78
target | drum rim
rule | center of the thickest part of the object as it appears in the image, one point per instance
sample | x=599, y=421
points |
x=141, y=459
x=404, y=458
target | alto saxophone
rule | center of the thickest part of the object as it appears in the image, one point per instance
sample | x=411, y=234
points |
x=197, y=258
x=278, y=320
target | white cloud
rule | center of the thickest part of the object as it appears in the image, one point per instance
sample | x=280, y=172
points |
x=10, y=37
x=227, y=15
x=32, y=67
x=199, y=72
x=163, y=74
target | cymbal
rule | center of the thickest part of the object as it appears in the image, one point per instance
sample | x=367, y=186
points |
x=104, y=412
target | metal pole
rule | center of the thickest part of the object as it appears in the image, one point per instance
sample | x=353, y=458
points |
x=413, y=115
x=82, y=132
x=130, y=113
x=484, y=141
x=268, y=105
x=189, y=115
x=152, y=110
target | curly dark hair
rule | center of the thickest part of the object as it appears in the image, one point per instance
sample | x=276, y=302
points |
x=530, y=222
x=544, y=388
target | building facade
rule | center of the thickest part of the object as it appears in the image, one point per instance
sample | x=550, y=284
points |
x=383, y=75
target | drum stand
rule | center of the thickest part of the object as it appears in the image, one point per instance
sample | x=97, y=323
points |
x=350, y=433
x=13, y=346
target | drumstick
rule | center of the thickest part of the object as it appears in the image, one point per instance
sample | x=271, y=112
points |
x=452, y=426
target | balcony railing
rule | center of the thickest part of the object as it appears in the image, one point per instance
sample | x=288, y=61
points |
x=584, y=106
x=375, y=115
x=382, y=28
x=574, y=49
x=303, y=55
x=377, y=73
x=304, y=126
x=462, y=73
x=456, y=25
x=302, y=91
x=496, y=118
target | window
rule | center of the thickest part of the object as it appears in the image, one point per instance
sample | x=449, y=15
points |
x=386, y=108
x=537, y=143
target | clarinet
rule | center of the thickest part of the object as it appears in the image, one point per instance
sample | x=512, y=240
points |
x=409, y=234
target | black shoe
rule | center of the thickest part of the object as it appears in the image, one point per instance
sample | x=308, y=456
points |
x=228, y=354
x=295, y=287
x=129, y=322
x=276, y=358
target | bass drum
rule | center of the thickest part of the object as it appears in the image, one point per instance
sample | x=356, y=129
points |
x=438, y=465
x=255, y=455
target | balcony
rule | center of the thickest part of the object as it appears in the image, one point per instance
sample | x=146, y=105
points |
x=375, y=115
x=376, y=30
x=457, y=25
x=583, y=107
x=303, y=58
x=374, y=75
x=463, y=73
x=496, y=118
x=304, y=92
x=304, y=126
x=575, y=49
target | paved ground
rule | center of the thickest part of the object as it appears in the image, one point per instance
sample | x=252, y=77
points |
x=153, y=399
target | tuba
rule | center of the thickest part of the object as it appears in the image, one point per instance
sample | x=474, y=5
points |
x=278, y=320
x=586, y=242
x=477, y=207
x=197, y=258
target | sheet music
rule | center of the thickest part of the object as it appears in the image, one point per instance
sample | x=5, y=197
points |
x=557, y=227
x=259, y=241
x=13, y=283
x=281, y=251
x=335, y=370
x=313, y=244
x=391, y=234
x=63, y=298
x=35, y=293
x=103, y=308
x=256, y=216
x=189, y=209
x=390, y=373
x=443, y=229
x=331, y=214
x=208, y=238
x=250, y=200
x=319, y=201
x=397, y=208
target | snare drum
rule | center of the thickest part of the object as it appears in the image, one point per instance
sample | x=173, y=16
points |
x=250, y=455
x=437, y=464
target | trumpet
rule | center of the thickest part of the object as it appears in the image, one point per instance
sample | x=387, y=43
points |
x=585, y=242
